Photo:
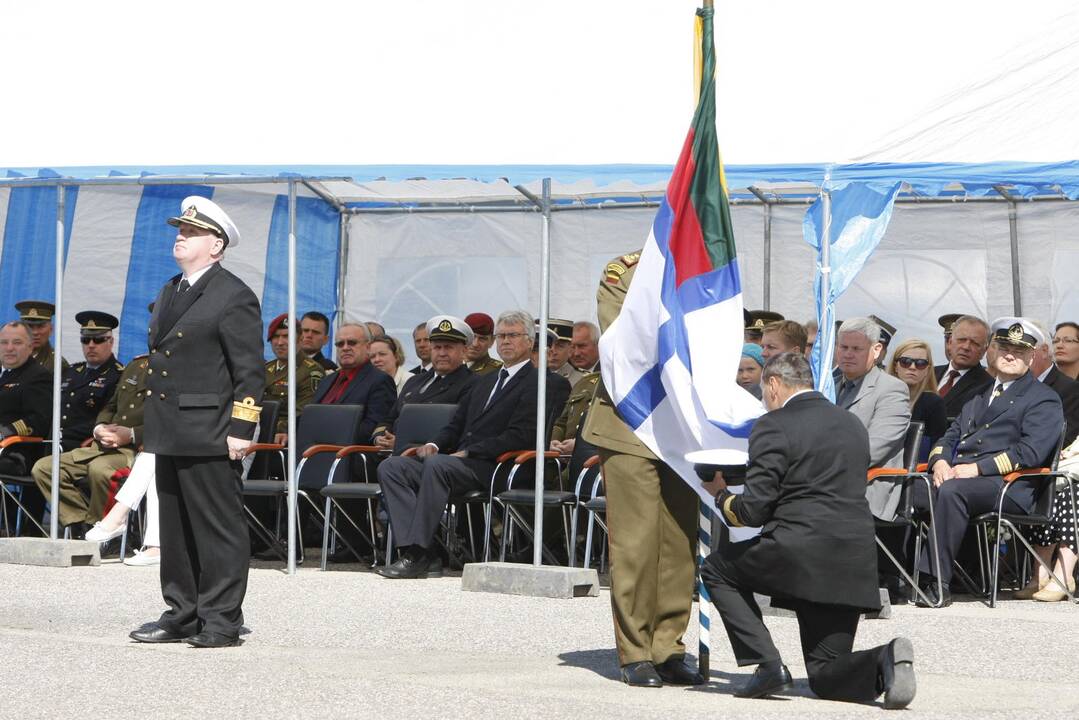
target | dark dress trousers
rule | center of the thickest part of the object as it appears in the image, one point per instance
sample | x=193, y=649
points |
x=1068, y=390
x=973, y=383
x=205, y=381
x=370, y=387
x=815, y=555
x=451, y=389
x=1019, y=429
x=416, y=491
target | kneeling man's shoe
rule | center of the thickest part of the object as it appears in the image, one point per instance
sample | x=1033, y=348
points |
x=155, y=634
x=207, y=639
x=674, y=671
x=641, y=674
x=897, y=674
x=765, y=682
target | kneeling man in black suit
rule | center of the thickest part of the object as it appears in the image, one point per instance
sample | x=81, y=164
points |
x=805, y=486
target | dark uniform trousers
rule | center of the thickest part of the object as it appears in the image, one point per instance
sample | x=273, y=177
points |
x=416, y=491
x=652, y=517
x=204, y=544
x=958, y=500
x=826, y=631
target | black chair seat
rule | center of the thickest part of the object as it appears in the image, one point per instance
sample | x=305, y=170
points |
x=265, y=487
x=361, y=491
x=1015, y=519
x=18, y=479
x=527, y=496
x=597, y=504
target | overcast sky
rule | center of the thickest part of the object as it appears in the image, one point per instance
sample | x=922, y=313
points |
x=483, y=81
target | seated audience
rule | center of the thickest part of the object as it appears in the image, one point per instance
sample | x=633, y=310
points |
x=1014, y=425
x=86, y=386
x=750, y=367
x=1057, y=540
x=387, y=356
x=946, y=323
x=568, y=424
x=1042, y=367
x=912, y=363
x=479, y=359
x=756, y=320
x=314, y=332
x=421, y=343
x=499, y=416
x=37, y=316
x=887, y=332
x=357, y=382
x=376, y=329
x=559, y=352
x=964, y=377
x=811, y=336
x=1066, y=349
x=585, y=348
x=309, y=374
x=558, y=387
x=782, y=336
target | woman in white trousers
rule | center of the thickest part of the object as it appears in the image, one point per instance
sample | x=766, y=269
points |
x=139, y=483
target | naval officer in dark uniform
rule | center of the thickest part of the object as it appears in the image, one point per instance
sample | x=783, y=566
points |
x=205, y=383
x=1014, y=425
x=86, y=386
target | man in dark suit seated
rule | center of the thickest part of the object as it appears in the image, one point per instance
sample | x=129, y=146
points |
x=1043, y=368
x=499, y=416
x=815, y=555
x=357, y=381
x=964, y=377
x=1013, y=426
x=447, y=381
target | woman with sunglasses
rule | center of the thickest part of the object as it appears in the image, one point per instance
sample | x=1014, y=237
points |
x=387, y=356
x=912, y=363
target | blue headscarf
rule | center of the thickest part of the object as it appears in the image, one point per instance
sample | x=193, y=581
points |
x=753, y=350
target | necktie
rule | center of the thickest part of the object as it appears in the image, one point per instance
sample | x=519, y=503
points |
x=949, y=381
x=435, y=382
x=845, y=392
x=183, y=287
x=998, y=389
x=502, y=375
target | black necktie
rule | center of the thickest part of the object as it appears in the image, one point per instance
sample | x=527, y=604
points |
x=433, y=384
x=502, y=375
x=997, y=391
x=184, y=286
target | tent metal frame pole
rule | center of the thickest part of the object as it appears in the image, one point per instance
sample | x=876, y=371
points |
x=767, y=246
x=1013, y=236
x=57, y=368
x=164, y=180
x=343, y=247
x=293, y=481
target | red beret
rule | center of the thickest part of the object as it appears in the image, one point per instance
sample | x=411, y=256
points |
x=279, y=322
x=481, y=323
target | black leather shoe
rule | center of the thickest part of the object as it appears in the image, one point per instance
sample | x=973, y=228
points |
x=412, y=567
x=766, y=682
x=208, y=639
x=674, y=671
x=641, y=674
x=930, y=589
x=897, y=673
x=156, y=634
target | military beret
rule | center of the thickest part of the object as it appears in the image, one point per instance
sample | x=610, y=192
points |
x=1017, y=331
x=278, y=323
x=481, y=323
x=448, y=327
x=35, y=312
x=93, y=323
x=206, y=214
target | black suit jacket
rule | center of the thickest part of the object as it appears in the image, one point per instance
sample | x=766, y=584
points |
x=973, y=383
x=806, y=487
x=453, y=389
x=26, y=399
x=372, y=388
x=1068, y=390
x=205, y=358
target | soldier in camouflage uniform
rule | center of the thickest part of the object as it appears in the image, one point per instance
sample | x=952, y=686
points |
x=309, y=374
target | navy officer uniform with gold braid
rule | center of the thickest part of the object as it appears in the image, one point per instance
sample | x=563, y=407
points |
x=205, y=381
x=1014, y=425
x=84, y=391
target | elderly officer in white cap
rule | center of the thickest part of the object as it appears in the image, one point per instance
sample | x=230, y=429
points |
x=205, y=380
x=1015, y=425
x=447, y=381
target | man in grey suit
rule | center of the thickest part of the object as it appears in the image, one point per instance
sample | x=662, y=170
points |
x=880, y=401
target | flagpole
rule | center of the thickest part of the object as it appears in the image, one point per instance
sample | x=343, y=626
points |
x=826, y=317
x=704, y=635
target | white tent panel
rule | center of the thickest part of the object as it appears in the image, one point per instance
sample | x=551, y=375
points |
x=251, y=208
x=460, y=191
x=5, y=195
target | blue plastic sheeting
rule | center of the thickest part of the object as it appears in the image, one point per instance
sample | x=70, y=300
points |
x=931, y=179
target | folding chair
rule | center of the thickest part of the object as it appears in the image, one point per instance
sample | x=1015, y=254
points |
x=585, y=474
x=906, y=515
x=596, y=505
x=417, y=424
x=323, y=430
x=13, y=486
x=1041, y=516
x=512, y=499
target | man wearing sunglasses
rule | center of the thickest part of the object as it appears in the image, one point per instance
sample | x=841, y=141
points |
x=86, y=386
x=357, y=381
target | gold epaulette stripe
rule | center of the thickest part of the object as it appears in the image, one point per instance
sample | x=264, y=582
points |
x=728, y=513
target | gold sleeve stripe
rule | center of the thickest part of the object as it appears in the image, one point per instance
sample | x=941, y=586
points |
x=1004, y=463
x=728, y=513
x=938, y=450
x=21, y=428
x=246, y=411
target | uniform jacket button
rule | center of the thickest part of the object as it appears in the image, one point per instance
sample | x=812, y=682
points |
x=149, y=393
x=164, y=373
x=162, y=396
x=168, y=354
x=179, y=334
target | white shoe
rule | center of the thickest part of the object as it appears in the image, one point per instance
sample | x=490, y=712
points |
x=142, y=559
x=99, y=534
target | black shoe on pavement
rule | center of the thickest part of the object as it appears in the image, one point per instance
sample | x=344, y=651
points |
x=674, y=671
x=641, y=674
x=413, y=566
x=155, y=634
x=765, y=682
x=897, y=674
x=206, y=639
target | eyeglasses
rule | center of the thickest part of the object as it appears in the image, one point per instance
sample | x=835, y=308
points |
x=100, y=340
x=1066, y=341
x=909, y=362
x=349, y=341
x=509, y=336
